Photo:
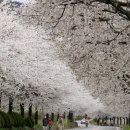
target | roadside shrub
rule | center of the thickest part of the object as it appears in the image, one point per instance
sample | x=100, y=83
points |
x=71, y=124
x=95, y=119
x=79, y=117
x=8, y=120
x=1, y=122
x=18, y=120
x=29, y=122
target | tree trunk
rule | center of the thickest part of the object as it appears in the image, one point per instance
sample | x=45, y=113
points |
x=129, y=119
x=10, y=105
x=127, y=122
x=0, y=99
x=64, y=116
x=52, y=116
x=124, y=121
x=47, y=116
x=117, y=121
x=30, y=110
x=22, y=109
x=114, y=120
x=36, y=117
x=58, y=116
x=120, y=120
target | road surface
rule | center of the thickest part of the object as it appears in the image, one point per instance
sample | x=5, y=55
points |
x=92, y=127
x=97, y=128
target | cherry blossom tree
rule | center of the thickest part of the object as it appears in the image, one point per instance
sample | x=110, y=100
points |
x=47, y=42
x=38, y=76
x=92, y=37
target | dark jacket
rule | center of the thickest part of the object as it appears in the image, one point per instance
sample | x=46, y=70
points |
x=44, y=122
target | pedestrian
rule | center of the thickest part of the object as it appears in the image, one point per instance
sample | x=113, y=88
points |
x=100, y=122
x=86, y=121
x=49, y=123
x=104, y=122
x=60, y=123
x=45, y=123
x=112, y=122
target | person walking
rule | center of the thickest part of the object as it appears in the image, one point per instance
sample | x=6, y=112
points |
x=100, y=122
x=60, y=123
x=49, y=123
x=86, y=121
x=45, y=123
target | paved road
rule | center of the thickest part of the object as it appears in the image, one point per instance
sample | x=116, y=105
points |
x=98, y=128
x=91, y=127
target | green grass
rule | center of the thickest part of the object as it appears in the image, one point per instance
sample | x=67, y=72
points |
x=93, y=122
x=13, y=128
x=39, y=125
x=79, y=117
x=125, y=127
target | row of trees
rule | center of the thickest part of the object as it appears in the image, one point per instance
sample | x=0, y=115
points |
x=92, y=37
x=31, y=68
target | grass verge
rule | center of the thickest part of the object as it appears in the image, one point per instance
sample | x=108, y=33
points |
x=125, y=127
